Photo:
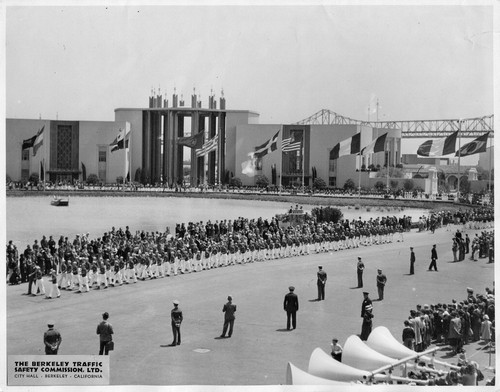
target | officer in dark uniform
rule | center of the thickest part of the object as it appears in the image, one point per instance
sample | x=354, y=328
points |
x=381, y=281
x=367, y=315
x=52, y=340
x=412, y=261
x=291, y=305
x=321, y=282
x=434, y=258
x=176, y=320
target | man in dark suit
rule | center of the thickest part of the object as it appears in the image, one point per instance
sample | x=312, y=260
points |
x=434, y=258
x=291, y=305
x=229, y=309
x=176, y=320
x=412, y=261
x=321, y=283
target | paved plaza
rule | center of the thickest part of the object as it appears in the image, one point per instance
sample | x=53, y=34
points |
x=261, y=347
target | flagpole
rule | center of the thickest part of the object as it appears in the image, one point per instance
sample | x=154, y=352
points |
x=489, y=171
x=130, y=158
x=388, y=162
x=303, y=165
x=359, y=177
x=459, y=154
x=44, y=154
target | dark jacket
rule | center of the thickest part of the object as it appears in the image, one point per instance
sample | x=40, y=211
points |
x=291, y=302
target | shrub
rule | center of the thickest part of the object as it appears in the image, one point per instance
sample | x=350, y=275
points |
x=92, y=179
x=379, y=186
x=119, y=180
x=235, y=182
x=34, y=178
x=261, y=181
x=349, y=185
x=8, y=179
x=319, y=183
x=327, y=214
x=408, y=185
x=394, y=184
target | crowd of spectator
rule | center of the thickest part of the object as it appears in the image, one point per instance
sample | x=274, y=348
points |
x=455, y=325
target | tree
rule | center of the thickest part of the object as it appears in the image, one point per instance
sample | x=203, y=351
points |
x=464, y=185
x=379, y=186
x=393, y=184
x=349, y=185
x=138, y=175
x=235, y=182
x=34, y=178
x=319, y=183
x=408, y=185
x=261, y=181
x=92, y=179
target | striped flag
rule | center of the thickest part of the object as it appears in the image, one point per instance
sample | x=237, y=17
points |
x=474, y=147
x=208, y=146
x=376, y=145
x=347, y=147
x=123, y=135
x=267, y=147
x=285, y=142
x=440, y=147
x=296, y=146
x=38, y=141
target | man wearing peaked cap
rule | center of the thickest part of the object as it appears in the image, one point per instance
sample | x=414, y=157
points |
x=381, y=281
x=52, y=339
x=176, y=320
x=321, y=282
x=291, y=306
x=367, y=315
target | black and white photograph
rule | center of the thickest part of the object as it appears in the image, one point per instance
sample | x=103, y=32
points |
x=246, y=195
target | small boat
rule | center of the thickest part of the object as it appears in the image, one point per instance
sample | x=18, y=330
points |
x=60, y=202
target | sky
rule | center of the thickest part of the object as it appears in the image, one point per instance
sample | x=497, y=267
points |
x=421, y=62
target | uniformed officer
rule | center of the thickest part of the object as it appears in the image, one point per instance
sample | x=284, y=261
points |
x=291, y=305
x=176, y=320
x=321, y=282
x=381, y=281
x=367, y=315
x=52, y=340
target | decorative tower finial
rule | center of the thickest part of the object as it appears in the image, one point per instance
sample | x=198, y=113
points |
x=222, y=92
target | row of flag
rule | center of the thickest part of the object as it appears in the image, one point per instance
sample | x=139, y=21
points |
x=446, y=146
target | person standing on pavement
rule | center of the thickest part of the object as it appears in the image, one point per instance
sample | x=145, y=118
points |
x=105, y=332
x=229, y=309
x=176, y=320
x=52, y=340
x=291, y=306
x=381, y=281
x=412, y=261
x=360, y=268
x=321, y=283
x=54, y=289
x=434, y=257
x=367, y=315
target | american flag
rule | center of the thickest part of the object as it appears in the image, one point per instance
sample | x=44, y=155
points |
x=208, y=146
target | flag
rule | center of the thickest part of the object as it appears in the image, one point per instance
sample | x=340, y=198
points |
x=347, y=147
x=440, y=147
x=38, y=141
x=376, y=145
x=248, y=167
x=267, y=147
x=195, y=141
x=28, y=143
x=285, y=142
x=208, y=146
x=474, y=147
x=84, y=172
x=296, y=146
x=118, y=143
